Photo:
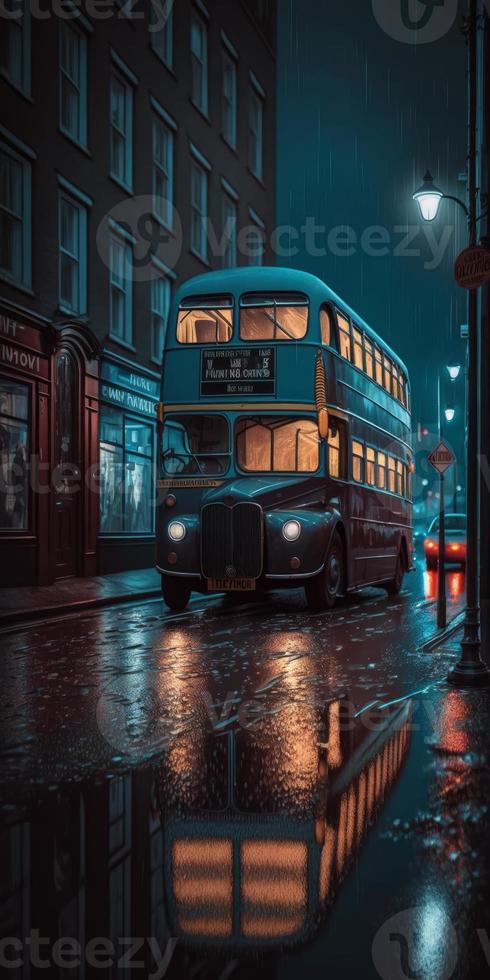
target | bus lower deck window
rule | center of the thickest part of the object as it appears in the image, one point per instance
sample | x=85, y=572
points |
x=195, y=444
x=357, y=461
x=391, y=475
x=370, y=466
x=270, y=445
x=381, y=474
x=334, y=452
x=399, y=478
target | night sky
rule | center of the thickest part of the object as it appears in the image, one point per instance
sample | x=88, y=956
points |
x=360, y=119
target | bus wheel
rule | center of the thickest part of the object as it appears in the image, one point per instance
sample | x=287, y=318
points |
x=322, y=591
x=175, y=592
x=394, y=586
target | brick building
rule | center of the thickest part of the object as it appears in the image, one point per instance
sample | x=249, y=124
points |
x=137, y=148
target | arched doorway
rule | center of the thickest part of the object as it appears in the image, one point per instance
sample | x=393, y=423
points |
x=67, y=464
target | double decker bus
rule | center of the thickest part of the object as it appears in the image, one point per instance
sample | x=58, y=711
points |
x=285, y=453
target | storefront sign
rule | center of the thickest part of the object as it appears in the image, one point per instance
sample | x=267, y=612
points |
x=242, y=371
x=127, y=399
x=125, y=378
x=21, y=347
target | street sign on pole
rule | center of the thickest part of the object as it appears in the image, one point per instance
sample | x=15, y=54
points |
x=472, y=267
x=441, y=458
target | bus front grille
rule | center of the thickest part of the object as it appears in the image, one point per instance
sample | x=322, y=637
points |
x=231, y=541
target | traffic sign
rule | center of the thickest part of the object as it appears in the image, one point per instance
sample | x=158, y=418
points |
x=472, y=267
x=441, y=458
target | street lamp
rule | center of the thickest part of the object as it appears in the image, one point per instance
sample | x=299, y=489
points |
x=449, y=413
x=454, y=371
x=428, y=198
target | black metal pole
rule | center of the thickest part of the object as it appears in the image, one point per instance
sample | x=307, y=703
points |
x=485, y=364
x=471, y=671
x=441, y=560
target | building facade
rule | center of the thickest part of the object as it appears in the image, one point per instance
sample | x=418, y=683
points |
x=137, y=148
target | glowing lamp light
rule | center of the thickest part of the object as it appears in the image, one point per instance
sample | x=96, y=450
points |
x=425, y=482
x=449, y=413
x=454, y=371
x=428, y=198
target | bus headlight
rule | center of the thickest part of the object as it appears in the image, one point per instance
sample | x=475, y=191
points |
x=291, y=530
x=177, y=531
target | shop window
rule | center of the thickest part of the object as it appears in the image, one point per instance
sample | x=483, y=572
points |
x=344, y=336
x=381, y=471
x=368, y=357
x=357, y=461
x=370, y=466
x=126, y=474
x=326, y=326
x=14, y=455
x=357, y=344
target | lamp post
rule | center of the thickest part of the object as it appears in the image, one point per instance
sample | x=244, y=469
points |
x=441, y=576
x=470, y=671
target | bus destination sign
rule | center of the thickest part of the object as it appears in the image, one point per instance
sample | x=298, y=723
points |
x=239, y=371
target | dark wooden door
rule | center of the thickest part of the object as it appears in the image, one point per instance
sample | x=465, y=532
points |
x=67, y=485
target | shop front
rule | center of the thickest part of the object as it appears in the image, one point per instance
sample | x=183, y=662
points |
x=48, y=449
x=128, y=395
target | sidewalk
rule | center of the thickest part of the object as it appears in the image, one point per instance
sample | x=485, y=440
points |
x=18, y=605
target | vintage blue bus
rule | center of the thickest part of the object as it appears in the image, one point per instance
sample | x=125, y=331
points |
x=285, y=452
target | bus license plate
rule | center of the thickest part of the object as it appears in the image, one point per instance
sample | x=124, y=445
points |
x=231, y=584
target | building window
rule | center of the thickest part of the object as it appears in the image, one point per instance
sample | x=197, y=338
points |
x=14, y=455
x=255, y=134
x=357, y=461
x=161, y=29
x=121, y=130
x=199, y=209
x=163, y=172
x=230, y=222
x=344, y=336
x=229, y=99
x=199, y=59
x=73, y=83
x=255, y=245
x=15, y=217
x=160, y=303
x=126, y=473
x=72, y=219
x=15, y=45
x=121, y=300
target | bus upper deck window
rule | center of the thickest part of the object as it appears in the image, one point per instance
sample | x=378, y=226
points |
x=357, y=461
x=326, y=326
x=379, y=365
x=271, y=318
x=368, y=355
x=357, y=339
x=213, y=325
x=387, y=373
x=396, y=389
x=344, y=336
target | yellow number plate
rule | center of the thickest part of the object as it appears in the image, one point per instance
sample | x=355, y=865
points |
x=231, y=584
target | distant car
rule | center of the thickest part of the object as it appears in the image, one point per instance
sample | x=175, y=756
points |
x=455, y=535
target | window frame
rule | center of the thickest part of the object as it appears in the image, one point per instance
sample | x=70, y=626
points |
x=201, y=210
x=81, y=85
x=126, y=135
x=325, y=309
x=357, y=344
x=168, y=175
x=370, y=461
x=285, y=419
x=23, y=24
x=229, y=105
x=362, y=458
x=24, y=279
x=201, y=100
x=164, y=51
x=272, y=301
x=343, y=332
x=126, y=340
x=81, y=258
x=155, y=312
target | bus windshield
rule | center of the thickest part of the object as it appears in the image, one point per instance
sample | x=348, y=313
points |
x=273, y=318
x=277, y=445
x=195, y=444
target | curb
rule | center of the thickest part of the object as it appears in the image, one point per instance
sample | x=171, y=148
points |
x=19, y=617
x=441, y=635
